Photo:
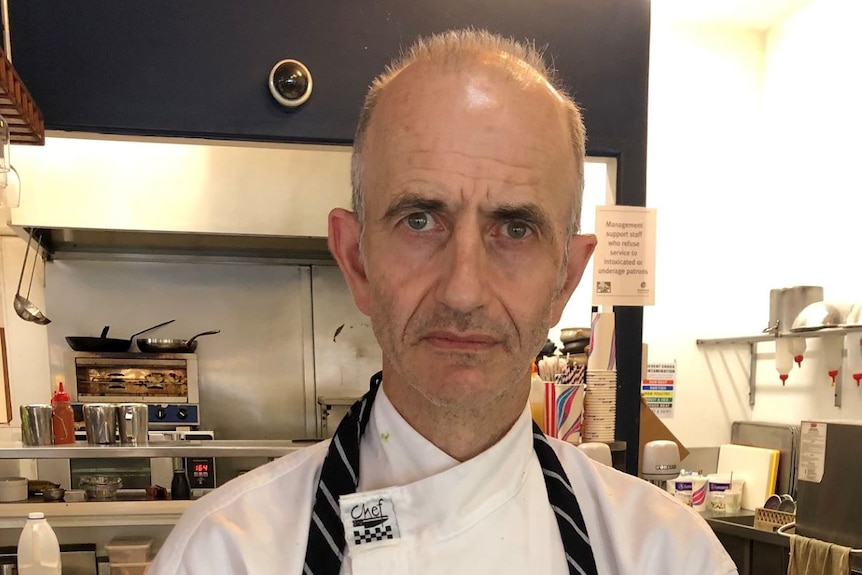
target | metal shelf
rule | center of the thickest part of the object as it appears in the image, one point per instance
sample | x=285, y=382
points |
x=748, y=339
x=752, y=340
x=202, y=448
x=94, y=513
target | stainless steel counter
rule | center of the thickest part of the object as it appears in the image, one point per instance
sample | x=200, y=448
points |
x=765, y=547
x=212, y=448
x=741, y=524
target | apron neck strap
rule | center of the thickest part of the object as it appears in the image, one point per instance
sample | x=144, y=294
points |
x=340, y=476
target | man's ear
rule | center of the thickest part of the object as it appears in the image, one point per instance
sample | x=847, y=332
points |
x=581, y=247
x=344, y=242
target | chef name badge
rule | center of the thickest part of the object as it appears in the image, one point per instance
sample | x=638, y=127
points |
x=368, y=519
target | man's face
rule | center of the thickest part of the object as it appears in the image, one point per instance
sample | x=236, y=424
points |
x=469, y=182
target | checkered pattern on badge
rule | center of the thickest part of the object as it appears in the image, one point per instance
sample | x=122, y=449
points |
x=370, y=535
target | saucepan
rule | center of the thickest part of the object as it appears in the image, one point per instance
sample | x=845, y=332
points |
x=150, y=345
x=104, y=343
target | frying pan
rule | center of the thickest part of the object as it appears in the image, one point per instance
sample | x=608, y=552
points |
x=150, y=345
x=103, y=343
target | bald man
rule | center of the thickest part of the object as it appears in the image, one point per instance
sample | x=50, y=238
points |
x=463, y=248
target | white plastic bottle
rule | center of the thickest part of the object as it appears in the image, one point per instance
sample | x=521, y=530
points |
x=833, y=355
x=38, y=548
x=798, y=347
x=783, y=358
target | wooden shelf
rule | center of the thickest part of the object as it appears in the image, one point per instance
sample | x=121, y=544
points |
x=26, y=124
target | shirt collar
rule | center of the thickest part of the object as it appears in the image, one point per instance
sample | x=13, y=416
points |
x=434, y=487
x=394, y=453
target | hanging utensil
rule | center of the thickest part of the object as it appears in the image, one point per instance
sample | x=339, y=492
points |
x=26, y=309
x=33, y=271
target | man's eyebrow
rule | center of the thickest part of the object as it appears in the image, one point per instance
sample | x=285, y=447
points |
x=413, y=203
x=530, y=213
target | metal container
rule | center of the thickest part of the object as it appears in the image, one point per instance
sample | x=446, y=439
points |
x=100, y=420
x=100, y=487
x=786, y=303
x=53, y=494
x=132, y=420
x=36, y=424
x=821, y=315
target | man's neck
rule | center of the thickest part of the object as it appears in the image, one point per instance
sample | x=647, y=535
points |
x=461, y=432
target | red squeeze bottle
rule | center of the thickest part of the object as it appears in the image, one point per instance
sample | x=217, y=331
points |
x=63, y=419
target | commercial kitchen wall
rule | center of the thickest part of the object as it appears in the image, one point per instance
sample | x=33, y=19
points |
x=258, y=380
x=754, y=136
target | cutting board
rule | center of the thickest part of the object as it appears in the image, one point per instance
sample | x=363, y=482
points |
x=756, y=465
x=780, y=436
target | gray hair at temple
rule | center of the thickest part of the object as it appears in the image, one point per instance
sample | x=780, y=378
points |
x=449, y=49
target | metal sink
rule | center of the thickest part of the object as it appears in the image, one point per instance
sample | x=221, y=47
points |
x=742, y=525
x=746, y=520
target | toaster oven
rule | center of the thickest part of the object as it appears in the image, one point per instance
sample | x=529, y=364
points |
x=132, y=377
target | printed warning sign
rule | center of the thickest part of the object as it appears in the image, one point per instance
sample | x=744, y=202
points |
x=658, y=388
x=624, y=262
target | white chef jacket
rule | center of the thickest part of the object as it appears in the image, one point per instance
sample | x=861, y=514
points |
x=488, y=515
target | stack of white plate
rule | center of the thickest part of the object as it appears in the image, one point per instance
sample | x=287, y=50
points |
x=600, y=405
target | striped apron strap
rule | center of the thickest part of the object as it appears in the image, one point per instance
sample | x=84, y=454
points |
x=573, y=529
x=340, y=475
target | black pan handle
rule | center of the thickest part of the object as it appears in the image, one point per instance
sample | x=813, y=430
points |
x=131, y=337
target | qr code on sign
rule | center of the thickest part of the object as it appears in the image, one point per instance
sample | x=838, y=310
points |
x=603, y=287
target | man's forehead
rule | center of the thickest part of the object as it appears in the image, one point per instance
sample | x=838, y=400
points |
x=435, y=111
x=468, y=125
x=480, y=77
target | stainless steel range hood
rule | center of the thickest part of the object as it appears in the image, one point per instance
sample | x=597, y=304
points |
x=99, y=197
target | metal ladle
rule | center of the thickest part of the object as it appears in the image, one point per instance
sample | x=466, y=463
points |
x=26, y=309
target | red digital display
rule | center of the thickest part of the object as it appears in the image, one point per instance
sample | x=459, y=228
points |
x=202, y=467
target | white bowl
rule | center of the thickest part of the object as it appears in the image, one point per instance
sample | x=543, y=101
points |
x=13, y=489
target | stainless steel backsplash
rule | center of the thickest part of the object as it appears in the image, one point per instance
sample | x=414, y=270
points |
x=277, y=351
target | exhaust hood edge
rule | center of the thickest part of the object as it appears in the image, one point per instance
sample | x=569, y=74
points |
x=123, y=245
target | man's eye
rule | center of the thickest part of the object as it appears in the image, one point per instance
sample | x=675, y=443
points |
x=420, y=221
x=517, y=230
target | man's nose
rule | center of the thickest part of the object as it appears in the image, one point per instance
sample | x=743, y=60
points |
x=464, y=273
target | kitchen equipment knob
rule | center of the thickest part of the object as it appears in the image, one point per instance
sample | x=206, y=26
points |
x=182, y=413
x=161, y=413
x=290, y=83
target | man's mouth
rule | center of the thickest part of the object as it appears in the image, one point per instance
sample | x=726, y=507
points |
x=462, y=341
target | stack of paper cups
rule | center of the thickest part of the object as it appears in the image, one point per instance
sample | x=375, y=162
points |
x=600, y=406
x=603, y=350
x=564, y=411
